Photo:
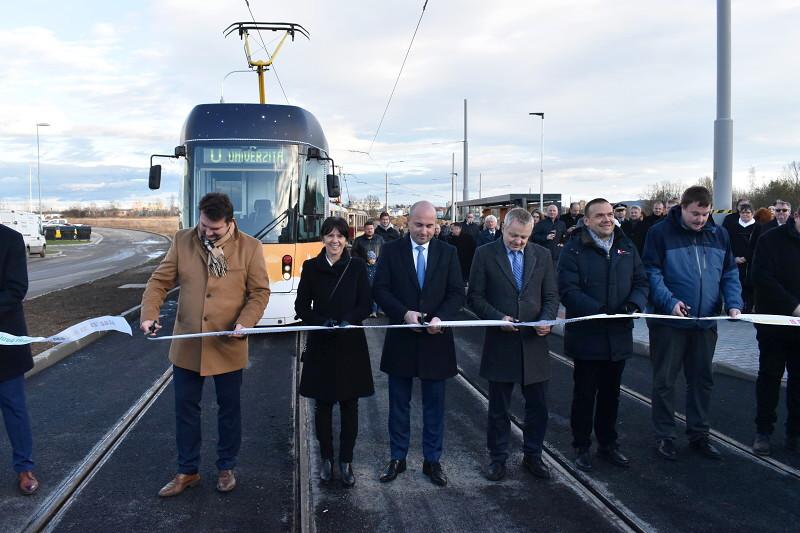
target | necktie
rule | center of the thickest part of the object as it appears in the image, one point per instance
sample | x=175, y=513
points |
x=420, y=266
x=516, y=268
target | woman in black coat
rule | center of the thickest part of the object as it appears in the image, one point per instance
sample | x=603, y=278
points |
x=15, y=360
x=744, y=234
x=334, y=290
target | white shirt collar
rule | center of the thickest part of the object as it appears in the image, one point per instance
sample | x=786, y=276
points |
x=414, y=245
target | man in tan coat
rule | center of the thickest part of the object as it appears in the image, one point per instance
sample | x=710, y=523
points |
x=224, y=287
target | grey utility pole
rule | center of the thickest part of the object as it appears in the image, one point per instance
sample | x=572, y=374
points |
x=453, y=188
x=466, y=173
x=541, y=163
x=723, y=125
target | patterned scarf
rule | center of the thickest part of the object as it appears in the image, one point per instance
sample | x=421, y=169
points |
x=604, y=244
x=217, y=265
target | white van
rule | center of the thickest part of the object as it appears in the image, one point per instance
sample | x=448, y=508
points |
x=29, y=225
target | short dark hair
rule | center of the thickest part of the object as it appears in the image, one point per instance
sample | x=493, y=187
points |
x=596, y=201
x=455, y=225
x=335, y=223
x=696, y=193
x=384, y=214
x=217, y=206
x=369, y=222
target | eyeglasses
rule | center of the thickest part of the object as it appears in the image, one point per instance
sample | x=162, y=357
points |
x=781, y=210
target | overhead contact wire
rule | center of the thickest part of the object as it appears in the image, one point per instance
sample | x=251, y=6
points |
x=386, y=109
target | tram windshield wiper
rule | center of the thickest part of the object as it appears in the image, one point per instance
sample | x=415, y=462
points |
x=271, y=225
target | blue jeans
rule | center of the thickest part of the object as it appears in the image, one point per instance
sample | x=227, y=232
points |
x=18, y=425
x=432, y=417
x=188, y=434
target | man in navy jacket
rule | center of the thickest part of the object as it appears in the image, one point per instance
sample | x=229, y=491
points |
x=418, y=281
x=692, y=272
x=599, y=272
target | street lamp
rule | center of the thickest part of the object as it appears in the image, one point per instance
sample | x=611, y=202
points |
x=38, y=178
x=386, y=175
x=541, y=168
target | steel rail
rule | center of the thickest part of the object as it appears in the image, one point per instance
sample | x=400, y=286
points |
x=599, y=498
x=55, y=506
x=724, y=439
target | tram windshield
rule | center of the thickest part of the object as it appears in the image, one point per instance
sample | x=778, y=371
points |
x=260, y=181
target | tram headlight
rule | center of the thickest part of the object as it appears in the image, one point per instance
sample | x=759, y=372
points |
x=286, y=267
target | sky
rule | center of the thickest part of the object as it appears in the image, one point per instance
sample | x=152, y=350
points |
x=628, y=89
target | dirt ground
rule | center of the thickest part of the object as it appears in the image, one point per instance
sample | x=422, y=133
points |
x=52, y=312
x=166, y=226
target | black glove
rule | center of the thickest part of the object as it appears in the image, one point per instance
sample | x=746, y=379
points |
x=343, y=323
x=629, y=308
x=329, y=324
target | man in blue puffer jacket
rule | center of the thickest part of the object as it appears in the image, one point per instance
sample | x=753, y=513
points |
x=692, y=273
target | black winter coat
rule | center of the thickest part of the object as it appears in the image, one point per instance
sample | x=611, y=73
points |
x=14, y=360
x=521, y=356
x=335, y=365
x=636, y=232
x=465, y=247
x=543, y=228
x=775, y=277
x=591, y=283
x=407, y=353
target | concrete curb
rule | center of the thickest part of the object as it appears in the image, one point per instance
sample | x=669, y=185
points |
x=48, y=358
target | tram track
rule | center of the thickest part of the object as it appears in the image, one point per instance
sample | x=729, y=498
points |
x=616, y=513
x=726, y=440
x=49, y=513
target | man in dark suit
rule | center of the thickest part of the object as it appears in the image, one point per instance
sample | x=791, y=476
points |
x=513, y=279
x=491, y=233
x=15, y=360
x=418, y=281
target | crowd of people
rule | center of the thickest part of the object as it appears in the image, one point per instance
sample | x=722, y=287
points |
x=610, y=259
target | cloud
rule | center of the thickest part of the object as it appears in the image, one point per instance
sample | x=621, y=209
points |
x=628, y=90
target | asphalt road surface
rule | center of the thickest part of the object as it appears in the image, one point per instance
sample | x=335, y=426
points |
x=76, y=402
x=110, y=251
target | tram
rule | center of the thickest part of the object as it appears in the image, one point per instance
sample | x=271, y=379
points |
x=273, y=162
x=355, y=218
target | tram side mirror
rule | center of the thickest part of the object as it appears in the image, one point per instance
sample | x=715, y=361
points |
x=334, y=190
x=155, y=177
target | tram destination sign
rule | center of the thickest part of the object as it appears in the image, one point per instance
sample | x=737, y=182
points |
x=274, y=157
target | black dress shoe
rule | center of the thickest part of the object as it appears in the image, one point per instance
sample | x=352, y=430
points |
x=583, y=460
x=536, y=466
x=395, y=466
x=497, y=471
x=666, y=449
x=704, y=447
x=348, y=478
x=613, y=456
x=326, y=470
x=435, y=472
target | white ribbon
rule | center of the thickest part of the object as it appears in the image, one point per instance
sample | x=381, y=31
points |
x=118, y=323
x=72, y=333
x=775, y=320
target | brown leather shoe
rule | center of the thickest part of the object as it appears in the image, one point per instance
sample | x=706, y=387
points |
x=28, y=484
x=178, y=484
x=226, y=481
